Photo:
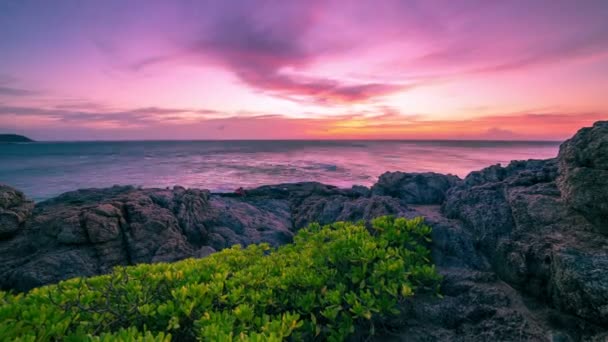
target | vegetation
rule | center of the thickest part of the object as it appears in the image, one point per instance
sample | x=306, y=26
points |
x=332, y=281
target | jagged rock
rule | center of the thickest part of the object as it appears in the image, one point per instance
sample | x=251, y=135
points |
x=72, y=232
x=303, y=189
x=14, y=210
x=9, y=223
x=249, y=220
x=89, y=231
x=102, y=223
x=361, y=190
x=327, y=209
x=583, y=162
x=189, y=204
x=453, y=246
x=477, y=306
x=530, y=237
x=415, y=188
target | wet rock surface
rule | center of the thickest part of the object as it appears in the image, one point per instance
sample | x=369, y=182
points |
x=523, y=248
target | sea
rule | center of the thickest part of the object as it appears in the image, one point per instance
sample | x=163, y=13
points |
x=46, y=169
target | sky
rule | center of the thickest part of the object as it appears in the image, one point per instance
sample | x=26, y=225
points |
x=334, y=69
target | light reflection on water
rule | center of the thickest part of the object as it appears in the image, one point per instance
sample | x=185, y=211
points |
x=43, y=170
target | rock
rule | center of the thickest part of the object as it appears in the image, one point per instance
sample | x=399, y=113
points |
x=530, y=237
x=42, y=271
x=477, y=306
x=9, y=223
x=583, y=180
x=580, y=283
x=72, y=232
x=284, y=191
x=189, y=204
x=102, y=223
x=361, y=190
x=90, y=231
x=453, y=245
x=249, y=220
x=415, y=188
x=204, y=251
x=483, y=209
x=14, y=210
x=328, y=209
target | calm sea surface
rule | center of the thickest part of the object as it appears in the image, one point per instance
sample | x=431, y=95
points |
x=43, y=170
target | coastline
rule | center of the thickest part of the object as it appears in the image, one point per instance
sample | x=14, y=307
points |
x=530, y=232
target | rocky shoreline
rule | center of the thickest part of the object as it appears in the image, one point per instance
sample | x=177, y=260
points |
x=523, y=248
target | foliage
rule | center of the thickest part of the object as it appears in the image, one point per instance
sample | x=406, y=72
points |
x=329, y=281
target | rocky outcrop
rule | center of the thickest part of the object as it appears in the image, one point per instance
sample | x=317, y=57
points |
x=583, y=180
x=532, y=239
x=523, y=248
x=88, y=232
x=415, y=188
x=533, y=236
x=14, y=210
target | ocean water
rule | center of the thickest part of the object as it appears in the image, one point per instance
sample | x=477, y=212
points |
x=46, y=169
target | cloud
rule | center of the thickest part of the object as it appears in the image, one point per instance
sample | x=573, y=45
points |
x=7, y=88
x=9, y=91
x=511, y=126
x=581, y=47
x=258, y=51
x=274, y=47
x=260, y=43
x=473, y=57
x=149, y=61
x=496, y=133
x=118, y=119
x=381, y=123
x=321, y=91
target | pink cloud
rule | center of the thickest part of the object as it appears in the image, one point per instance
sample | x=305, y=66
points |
x=324, y=57
x=384, y=123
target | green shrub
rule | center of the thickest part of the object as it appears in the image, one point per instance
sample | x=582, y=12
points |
x=329, y=281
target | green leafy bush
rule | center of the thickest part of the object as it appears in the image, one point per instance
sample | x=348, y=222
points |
x=330, y=281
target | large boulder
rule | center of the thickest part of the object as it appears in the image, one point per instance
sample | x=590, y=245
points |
x=583, y=180
x=14, y=210
x=415, y=188
x=532, y=239
x=481, y=200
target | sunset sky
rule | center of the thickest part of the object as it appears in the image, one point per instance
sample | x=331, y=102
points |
x=106, y=70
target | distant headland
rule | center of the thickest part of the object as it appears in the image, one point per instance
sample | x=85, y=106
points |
x=14, y=138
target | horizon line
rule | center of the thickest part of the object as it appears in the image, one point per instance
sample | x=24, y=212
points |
x=303, y=140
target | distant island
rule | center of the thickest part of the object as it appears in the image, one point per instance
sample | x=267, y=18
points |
x=14, y=138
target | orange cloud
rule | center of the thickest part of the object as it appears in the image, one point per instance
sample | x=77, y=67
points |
x=517, y=126
x=153, y=123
